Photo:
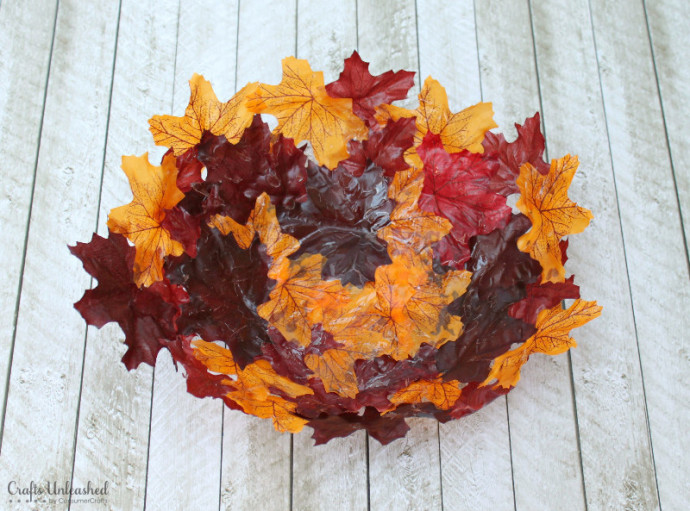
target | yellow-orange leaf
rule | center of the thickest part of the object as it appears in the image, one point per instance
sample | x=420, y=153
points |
x=336, y=368
x=411, y=230
x=443, y=394
x=552, y=338
x=458, y=131
x=263, y=221
x=204, y=113
x=252, y=386
x=305, y=111
x=300, y=298
x=411, y=305
x=154, y=190
x=544, y=199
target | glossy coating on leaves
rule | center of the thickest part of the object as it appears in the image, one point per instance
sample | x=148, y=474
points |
x=384, y=278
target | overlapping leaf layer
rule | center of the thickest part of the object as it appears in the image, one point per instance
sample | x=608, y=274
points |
x=385, y=277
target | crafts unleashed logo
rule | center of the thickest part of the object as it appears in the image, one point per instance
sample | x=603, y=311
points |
x=53, y=492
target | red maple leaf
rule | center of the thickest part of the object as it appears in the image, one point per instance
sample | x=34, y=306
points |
x=457, y=186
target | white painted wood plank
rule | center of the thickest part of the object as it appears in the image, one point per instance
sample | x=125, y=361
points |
x=26, y=33
x=546, y=466
x=668, y=25
x=186, y=432
x=387, y=35
x=330, y=477
x=653, y=235
x=405, y=474
x=113, y=434
x=475, y=451
x=40, y=422
x=256, y=465
x=617, y=464
x=338, y=468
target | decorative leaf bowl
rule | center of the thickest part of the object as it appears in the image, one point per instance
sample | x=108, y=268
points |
x=382, y=278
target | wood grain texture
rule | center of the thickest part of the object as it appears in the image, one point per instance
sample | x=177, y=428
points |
x=668, y=26
x=405, y=474
x=546, y=466
x=475, y=452
x=618, y=469
x=256, y=466
x=653, y=235
x=43, y=394
x=186, y=432
x=113, y=431
x=338, y=468
x=26, y=34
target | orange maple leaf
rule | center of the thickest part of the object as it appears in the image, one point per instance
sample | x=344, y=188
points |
x=336, y=369
x=443, y=394
x=252, y=386
x=305, y=111
x=300, y=298
x=204, y=113
x=544, y=200
x=154, y=190
x=458, y=131
x=552, y=338
x=262, y=221
x=411, y=305
x=411, y=230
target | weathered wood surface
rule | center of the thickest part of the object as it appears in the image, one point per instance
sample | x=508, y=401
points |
x=45, y=377
x=113, y=430
x=654, y=250
x=606, y=370
x=24, y=62
x=544, y=395
x=611, y=79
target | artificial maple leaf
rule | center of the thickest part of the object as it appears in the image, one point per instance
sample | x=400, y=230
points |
x=340, y=219
x=499, y=274
x=528, y=147
x=411, y=230
x=443, y=394
x=458, y=187
x=300, y=297
x=543, y=296
x=552, y=338
x=225, y=282
x=544, y=199
x=239, y=171
x=305, y=111
x=335, y=367
x=253, y=386
x=458, y=131
x=368, y=91
x=204, y=113
x=410, y=309
x=154, y=190
x=146, y=315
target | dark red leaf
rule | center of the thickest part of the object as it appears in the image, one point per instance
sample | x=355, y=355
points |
x=225, y=284
x=239, y=173
x=146, y=315
x=188, y=169
x=367, y=91
x=183, y=227
x=340, y=220
x=457, y=187
x=387, y=146
x=499, y=275
x=385, y=428
x=528, y=147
